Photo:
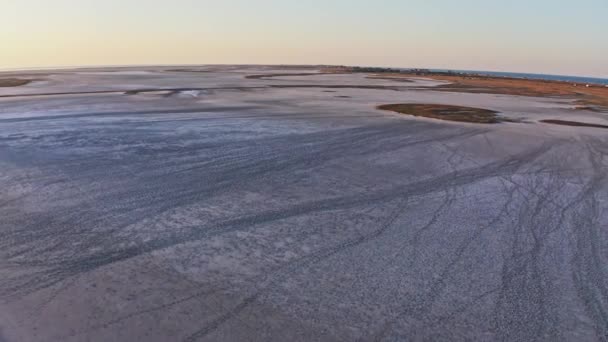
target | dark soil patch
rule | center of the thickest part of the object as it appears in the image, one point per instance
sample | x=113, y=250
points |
x=339, y=86
x=267, y=76
x=573, y=123
x=13, y=82
x=189, y=70
x=589, y=108
x=389, y=78
x=446, y=112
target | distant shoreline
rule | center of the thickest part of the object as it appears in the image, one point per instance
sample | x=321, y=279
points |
x=429, y=71
x=541, y=77
x=475, y=73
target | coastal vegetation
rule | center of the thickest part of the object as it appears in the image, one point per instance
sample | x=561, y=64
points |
x=445, y=112
x=13, y=82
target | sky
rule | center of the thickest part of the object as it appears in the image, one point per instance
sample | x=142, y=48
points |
x=542, y=36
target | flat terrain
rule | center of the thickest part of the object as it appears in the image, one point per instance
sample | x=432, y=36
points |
x=203, y=204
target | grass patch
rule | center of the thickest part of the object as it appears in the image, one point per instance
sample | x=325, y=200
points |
x=13, y=82
x=446, y=112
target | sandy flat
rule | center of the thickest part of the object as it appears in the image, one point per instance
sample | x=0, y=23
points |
x=133, y=210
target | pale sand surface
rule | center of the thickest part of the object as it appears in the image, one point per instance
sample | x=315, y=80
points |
x=226, y=209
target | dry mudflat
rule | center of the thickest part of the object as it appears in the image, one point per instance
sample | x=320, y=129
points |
x=213, y=204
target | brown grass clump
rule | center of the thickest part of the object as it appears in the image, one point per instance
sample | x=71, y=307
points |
x=445, y=112
x=13, y=82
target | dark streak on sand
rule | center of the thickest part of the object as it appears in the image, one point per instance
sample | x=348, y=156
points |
x=129, y=91
x=573, y=123
x=269, y=76
x=339, y=86
x=389, y=78
x=176, y=90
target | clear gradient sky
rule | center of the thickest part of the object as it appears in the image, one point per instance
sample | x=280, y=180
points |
x=543, y=36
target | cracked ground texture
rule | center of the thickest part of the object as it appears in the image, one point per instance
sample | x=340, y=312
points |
x=146, y=204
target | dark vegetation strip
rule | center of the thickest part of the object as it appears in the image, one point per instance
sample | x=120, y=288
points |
x=338, y=86
x=446, y=112
x=266, y=76
x=189, y=70
x=390, y=78
x=573, y=123
x=13, y=82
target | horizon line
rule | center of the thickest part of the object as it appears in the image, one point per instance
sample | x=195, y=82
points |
x=83, y=66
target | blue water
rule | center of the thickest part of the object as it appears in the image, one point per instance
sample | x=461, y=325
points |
x=574, y=79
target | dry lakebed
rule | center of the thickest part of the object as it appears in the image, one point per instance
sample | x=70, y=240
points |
x=268, y=203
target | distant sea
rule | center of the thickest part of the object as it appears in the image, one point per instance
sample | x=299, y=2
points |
x=574, y=79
